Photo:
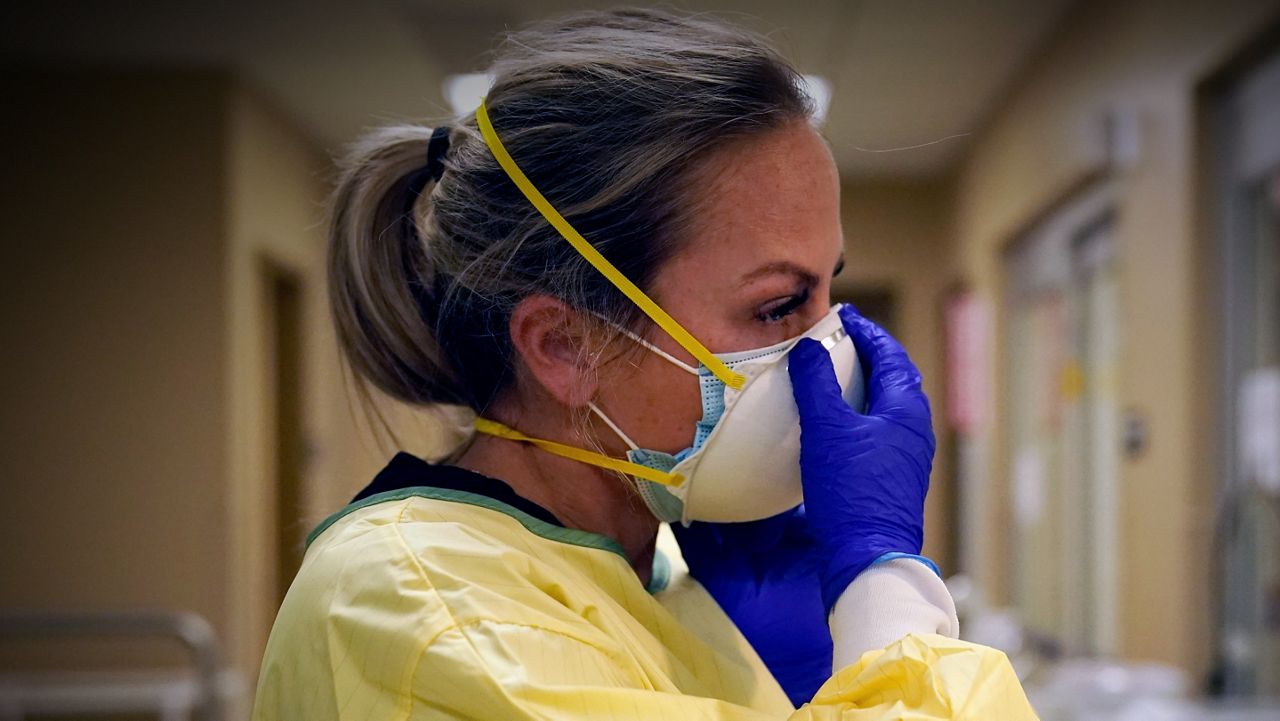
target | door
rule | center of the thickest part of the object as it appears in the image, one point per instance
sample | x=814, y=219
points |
x=1060, y=346
x=283, y=431
x=1246, y=129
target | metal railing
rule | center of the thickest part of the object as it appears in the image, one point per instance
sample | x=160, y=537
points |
x=171, y=695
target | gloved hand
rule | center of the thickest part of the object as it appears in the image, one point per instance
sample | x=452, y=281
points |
x=764, y=574
x=865, y=475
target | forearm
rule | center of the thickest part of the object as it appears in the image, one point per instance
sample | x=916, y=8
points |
x=885, y=603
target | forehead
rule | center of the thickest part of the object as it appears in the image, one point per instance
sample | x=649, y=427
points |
x=767, y=195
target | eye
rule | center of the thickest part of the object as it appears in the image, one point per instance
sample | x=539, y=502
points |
x=778, y=309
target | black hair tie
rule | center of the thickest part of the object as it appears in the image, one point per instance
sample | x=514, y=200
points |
x=436, y=150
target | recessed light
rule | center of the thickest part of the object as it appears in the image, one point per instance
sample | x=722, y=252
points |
x=464, y=91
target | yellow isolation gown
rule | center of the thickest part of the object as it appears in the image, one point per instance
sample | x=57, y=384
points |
x=425, y=602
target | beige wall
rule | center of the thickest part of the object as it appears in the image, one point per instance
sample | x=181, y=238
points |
x=143, y=208
x=112, y=284
x=277, y=181
x=898, y=237
x=1143, y=59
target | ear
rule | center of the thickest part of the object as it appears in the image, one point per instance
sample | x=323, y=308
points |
x=550, y=338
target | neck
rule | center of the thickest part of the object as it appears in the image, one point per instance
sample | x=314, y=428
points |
x=581, y=496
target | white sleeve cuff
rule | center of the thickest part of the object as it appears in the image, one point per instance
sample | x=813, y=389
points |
x=885, y=603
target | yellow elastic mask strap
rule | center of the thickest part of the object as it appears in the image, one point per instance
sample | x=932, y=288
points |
x=494, y=428
x=602, y=264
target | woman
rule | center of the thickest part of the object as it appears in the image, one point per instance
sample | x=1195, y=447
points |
x=641, y=197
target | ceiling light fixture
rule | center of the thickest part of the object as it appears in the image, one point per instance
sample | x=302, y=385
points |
x=464, y=91
x=818, y=89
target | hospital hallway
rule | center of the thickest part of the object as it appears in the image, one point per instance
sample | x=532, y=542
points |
x=1068, y=212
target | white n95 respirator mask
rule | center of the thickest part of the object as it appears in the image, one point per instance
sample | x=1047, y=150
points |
x=744, y=460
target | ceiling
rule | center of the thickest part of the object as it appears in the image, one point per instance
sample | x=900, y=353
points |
x=912, y=79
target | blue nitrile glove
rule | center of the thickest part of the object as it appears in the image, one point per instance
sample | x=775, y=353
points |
x=764, y=574
x=865, y=475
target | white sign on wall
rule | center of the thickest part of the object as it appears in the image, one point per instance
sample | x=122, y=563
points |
x=968, y=328
x=1260, y=428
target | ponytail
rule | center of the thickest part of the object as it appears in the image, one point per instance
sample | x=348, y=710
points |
x=380, y=271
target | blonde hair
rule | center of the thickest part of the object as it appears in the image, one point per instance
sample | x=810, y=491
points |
x=609, y=114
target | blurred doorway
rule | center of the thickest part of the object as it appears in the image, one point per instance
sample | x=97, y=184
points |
x=1060, y=347
x=1246, y=189
x=875, y=303
x=285, y=442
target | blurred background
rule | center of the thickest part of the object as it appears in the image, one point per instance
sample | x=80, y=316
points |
x=1068, y=211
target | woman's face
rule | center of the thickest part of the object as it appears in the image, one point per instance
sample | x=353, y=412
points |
x=756, y=271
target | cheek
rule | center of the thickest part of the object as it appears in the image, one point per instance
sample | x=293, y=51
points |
x=654, y=402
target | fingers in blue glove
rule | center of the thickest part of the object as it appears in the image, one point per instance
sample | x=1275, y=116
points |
x=893, y=381
x=890, y=366
x=813, y=382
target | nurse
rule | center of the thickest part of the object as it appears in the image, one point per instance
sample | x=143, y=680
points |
x=622, y=263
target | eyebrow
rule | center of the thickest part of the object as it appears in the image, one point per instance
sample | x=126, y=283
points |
x=789, y=268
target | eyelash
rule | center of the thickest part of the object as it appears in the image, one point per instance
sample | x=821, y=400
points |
x=778, y=312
